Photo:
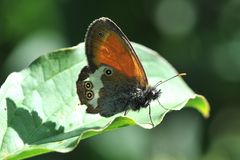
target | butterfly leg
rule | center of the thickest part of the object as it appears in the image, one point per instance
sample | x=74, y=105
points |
x=126, y=112
x=162, y=105
x=150, y=115
x=126, y=109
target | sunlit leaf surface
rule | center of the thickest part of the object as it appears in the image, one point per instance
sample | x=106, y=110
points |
x=40, y=111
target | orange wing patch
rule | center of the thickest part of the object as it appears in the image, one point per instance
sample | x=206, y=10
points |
x=113, y=51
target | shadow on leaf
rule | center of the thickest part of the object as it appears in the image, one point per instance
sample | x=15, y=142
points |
x=29, y=125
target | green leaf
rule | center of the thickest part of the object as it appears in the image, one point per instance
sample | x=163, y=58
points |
x=40, y=111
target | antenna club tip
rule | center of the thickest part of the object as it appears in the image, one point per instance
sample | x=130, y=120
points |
x=182, y=74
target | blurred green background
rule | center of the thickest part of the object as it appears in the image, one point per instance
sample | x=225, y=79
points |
x=200, y=37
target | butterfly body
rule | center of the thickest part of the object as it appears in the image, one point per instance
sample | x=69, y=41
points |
x=114, y=80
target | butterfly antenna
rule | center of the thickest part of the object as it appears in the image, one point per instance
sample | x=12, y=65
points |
x=150, y=115
x=161, y=82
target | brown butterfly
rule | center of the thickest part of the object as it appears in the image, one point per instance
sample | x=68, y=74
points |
x=114, y=80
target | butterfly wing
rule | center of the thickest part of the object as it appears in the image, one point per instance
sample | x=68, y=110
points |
x=107, y=48
x=107, y=45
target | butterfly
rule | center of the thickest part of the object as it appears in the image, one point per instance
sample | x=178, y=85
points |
x=114, y=80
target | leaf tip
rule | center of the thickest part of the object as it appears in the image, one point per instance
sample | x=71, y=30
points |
x=201, y=104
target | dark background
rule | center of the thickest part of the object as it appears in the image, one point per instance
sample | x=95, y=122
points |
x=200, y=37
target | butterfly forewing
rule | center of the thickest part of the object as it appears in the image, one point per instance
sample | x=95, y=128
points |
x=107, y=45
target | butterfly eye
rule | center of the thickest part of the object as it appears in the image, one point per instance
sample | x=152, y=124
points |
x=89, y=95
x=108, y=72
x=88, y=85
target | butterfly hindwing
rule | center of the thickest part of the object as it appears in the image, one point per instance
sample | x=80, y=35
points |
x=114, y=96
